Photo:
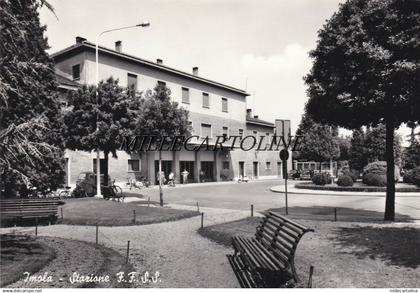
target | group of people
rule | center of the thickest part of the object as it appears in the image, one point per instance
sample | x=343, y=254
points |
x=171, y=177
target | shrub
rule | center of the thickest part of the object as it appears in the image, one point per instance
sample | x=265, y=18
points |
x=409, y=176
x=373, y=179
x=416, y=177
x=321, y=178
x=354, y=174
x=345, y=180
x=379, y=169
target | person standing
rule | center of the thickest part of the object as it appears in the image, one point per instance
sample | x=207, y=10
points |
x=185, y=174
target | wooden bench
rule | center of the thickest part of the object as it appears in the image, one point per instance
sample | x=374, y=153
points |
x=18, y=209
x=267, y=260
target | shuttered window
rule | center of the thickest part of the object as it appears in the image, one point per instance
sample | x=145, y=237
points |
x=206, y=100
x=205, y=130
x=224, y=105
x=185, y=95
x=132, y=81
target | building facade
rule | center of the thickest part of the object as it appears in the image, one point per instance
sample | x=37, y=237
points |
x=215, y=109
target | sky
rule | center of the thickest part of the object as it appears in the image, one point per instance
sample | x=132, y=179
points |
x=259, y=46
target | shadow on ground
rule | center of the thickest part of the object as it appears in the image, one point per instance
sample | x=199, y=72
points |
x=324, y=213
x=394, y=246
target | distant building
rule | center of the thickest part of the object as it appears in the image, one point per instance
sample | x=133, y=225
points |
x=215, y=109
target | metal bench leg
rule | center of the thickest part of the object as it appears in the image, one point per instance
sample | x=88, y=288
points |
x=292, y=266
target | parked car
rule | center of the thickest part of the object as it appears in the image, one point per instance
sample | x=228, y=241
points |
x=293, y=174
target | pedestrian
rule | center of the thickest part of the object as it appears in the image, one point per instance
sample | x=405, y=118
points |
x=171, y=181
x=202, y=174
x=185, y=174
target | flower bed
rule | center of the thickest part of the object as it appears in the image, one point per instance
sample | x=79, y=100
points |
x=358, y=187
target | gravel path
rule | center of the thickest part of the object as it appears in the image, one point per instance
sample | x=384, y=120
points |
x=174, y=249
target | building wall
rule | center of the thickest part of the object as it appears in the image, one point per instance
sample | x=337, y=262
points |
x=147, y=78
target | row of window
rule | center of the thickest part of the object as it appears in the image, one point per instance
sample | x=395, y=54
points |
x=132, y=82
x=205, y=99
x=206, y=130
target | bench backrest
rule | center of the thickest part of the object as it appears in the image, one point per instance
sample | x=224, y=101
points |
x=280, y=235
x=24, y=206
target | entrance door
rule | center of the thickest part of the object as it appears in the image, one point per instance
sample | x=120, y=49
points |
x=207, y=168
x=241, y=169
x=189, y=166
x=255, y=169
x=166, y=168
x=278, y=169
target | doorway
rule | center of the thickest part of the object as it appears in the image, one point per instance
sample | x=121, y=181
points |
x=189, y=166
x=207, y=168
x=241, y=169
x=166, y=168
x=255, y=170
x=279, y=169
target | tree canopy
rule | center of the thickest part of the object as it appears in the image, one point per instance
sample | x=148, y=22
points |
x=161, y=117
x=366, y=71
x=30, y=116
x=114, y=113
x=367, y=64
x=318, y=143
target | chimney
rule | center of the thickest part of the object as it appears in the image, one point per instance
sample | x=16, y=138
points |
x=195, y=71
x=80, y=40
x=118, y=46
x=256, y=116
x=159, y=61
x=248, y=113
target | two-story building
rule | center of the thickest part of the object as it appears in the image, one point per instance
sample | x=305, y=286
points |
x=215, y=109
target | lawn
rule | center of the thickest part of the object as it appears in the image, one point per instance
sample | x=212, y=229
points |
x=92, y=211
x=59, y=259
x=346, y=254
x=19, y=254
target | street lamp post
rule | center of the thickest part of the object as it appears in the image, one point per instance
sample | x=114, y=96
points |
x=98, y=165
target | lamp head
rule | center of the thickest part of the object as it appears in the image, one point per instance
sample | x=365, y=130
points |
x=144, y=24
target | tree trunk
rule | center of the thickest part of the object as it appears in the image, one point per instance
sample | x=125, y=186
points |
x=106, y=175
x=390, y=170
x=160, y=180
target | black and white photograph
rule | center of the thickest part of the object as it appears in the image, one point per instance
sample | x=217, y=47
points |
x=221, y=144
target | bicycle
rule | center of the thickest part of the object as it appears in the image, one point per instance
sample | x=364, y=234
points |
x=117, y=190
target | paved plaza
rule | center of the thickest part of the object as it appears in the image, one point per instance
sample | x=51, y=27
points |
x=239, y=196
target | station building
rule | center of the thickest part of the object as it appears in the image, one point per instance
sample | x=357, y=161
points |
x=215, y=109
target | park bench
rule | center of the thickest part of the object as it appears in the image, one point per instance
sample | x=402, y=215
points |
x=267, y=260
x=18, y=209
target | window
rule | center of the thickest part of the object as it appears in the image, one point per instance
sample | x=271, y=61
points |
x=225, y=165
x=76, y=71
x=267, y=136
x=190, y=126
x=185, y=95
x=224, y=105
x=161, y=83
x=255, y=133
x=133, y=165
x=241, y=133
x=132, y=81
x=206, y=100
x=267, y=165
x=205, y=130
x=225, y=132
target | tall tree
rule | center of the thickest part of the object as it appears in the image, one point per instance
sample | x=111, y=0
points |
x=366, y=71
x=28, y=102
x=319, y=142
x=357, y=150
x=161, y=117
x=114, y=114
